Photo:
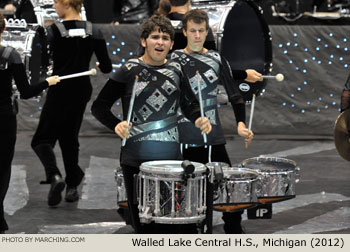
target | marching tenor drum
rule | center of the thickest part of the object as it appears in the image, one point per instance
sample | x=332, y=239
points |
x=242, y=36
x=278, y=178
x=237, y=190
x=30, y=43
x=164, y=195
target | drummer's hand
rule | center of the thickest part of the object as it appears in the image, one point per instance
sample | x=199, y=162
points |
x=253, y=76
x=9, y=7
x=122, y=129
x=204, y=125
x=244, y=132
x=53, y=80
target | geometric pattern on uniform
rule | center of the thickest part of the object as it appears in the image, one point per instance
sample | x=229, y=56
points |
x=130, y=65
x=157, y=100
x=171, y=135
x=194, y=83
x=211, y=75
x=168, y=87
x=145, y=74
x=215, y=55
x=172, y=108
x=135, y=119
x=210, y=114
x=214, y=92
x=145, y=112
x=175, y=64
x=140, y=85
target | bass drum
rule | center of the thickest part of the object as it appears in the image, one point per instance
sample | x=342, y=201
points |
x=30, y=43
x=242, y=37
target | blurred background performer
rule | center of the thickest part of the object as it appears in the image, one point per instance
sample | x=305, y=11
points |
x=72, y=44
x=134, y=11
x=11, y=67
x=152, y=121
x=23, y=9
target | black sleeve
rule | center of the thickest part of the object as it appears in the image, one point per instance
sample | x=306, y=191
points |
x=188, y=101
x=239, y=74
x=101, y=107
x=26, y=90
x=102, y=56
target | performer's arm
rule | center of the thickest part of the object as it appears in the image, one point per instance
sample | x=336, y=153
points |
x=101, y=52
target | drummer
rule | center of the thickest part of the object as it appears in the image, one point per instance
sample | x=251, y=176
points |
x=153, y=132
x=345, y=97
x=214, y=70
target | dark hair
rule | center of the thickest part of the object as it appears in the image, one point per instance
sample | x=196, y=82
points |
x=165, y=6
x=178, y=2
x=159, y=22
x=197, y=16
x=2, y=23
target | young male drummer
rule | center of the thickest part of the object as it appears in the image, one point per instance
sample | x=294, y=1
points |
x=72, y=44
x=153, y=130
x=213, y=70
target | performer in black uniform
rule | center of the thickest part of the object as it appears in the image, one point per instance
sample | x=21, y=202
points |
x=345, y=97
x=160, y=92
x=23, y=9
x=213, y=70
x=72, y=44
x=134, y=11
x=11, y=66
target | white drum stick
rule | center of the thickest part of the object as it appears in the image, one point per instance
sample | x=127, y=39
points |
x=201, y=103
x=251, y=117
x=131, y=105
x=69, y=76
x=113, y=65
x=278, y=77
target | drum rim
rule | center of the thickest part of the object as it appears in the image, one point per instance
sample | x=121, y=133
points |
x=254, y=174
x=245, y=164
x=147, y=167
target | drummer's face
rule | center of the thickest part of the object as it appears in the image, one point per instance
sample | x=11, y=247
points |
x=60, y=8
x=196, y=35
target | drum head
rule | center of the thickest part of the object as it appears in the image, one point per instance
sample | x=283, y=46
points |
x=269, y=164
x=246, y=43
x=169, y=167
x=239, y=174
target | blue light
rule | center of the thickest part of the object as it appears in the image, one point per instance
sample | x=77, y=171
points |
x=345, y=49
x=304, y=71
x=295, y=35
x=288, y=43
x=131, y=53
x=344, y=39
x=341, y=58
x=299, y=89
x=320, y=98
x=292, y=95
x=123, y=60
x=332, y=56
x=305, y=60
x=293, y=105
x=117, y=103
x=329, y=62
x=118, y=49
x=331, y=95
x=331, y=34
x=280, y=45
x=319, y=40
x=319, y=62
x=285, y=51
x=108, y=43
x=326, y=45
x=339, y=109
x=113, y=70
x=306, y=49
x=318, y=110
x=317, y=48
x=338, y=46
x=305, y=82
x=346, y=65
x=334, y=103
x=31, y=115
x=284, y=104
x=302, y=111
x=296, y=44
x=114, y=52
x=290, y=61
x=219, y=106
x=113, y=36
x=326, y=107
x=119, y=115
x=308, y=103
x=297, y=68
x=40, y=108
x=122, y=43
x=313, y=58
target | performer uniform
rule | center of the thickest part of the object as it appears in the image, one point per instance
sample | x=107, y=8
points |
x=72, y=44
x=11, y=66
x=213, y=70
x=345, y=97
x=154, y=132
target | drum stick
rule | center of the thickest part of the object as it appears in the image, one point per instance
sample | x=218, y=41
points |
x=69, y=76
x=132, y=99
x=113, y=65
x=201, y=104
x=251, y=118
x=278, y=77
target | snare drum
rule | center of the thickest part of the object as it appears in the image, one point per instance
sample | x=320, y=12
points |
x=237, y=191
x=164, y=197
x=30, y=43
x=242, y=36
x=278, y=178
x=121, y=191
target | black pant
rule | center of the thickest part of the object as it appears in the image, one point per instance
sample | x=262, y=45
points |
x=8, y=127
x=60, y=121
x=232, y=220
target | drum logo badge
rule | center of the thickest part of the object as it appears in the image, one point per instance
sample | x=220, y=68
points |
x=244, y=87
